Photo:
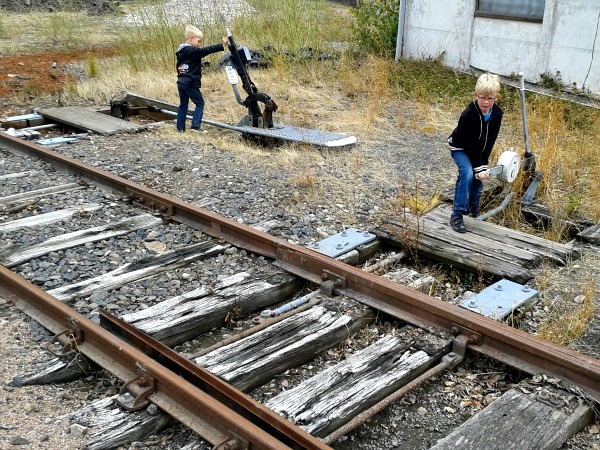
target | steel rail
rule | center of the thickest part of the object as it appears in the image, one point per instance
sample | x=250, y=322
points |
x=499, y=341
x=206, y=404
x=231, y=397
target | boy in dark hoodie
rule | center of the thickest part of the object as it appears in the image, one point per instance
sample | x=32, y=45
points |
x=470, y=144
x=189, y=75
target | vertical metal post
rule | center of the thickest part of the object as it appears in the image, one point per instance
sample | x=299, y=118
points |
x=525, y=132
x=400, y=36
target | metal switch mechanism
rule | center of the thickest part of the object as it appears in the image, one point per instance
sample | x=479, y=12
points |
x=508, y=166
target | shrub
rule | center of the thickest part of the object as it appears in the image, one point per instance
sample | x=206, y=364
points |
x=376, y=25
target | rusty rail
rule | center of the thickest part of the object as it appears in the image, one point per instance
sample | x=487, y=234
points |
x=209, y=406
x=511, y=346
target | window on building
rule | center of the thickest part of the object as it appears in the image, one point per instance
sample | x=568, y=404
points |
x=530, y=10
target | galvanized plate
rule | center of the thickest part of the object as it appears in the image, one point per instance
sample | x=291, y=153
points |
x=341, y=243
x=500, y=299
x=297, y=134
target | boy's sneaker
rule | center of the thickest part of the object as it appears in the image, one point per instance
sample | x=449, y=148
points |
x=457, y=223
x=198, y=130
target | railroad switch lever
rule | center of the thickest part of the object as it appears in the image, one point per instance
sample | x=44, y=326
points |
x=65, y=344
x=134, y=394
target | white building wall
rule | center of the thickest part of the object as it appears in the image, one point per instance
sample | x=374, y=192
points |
x=567, y=41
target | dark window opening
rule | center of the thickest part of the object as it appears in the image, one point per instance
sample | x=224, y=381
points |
x=527, y=10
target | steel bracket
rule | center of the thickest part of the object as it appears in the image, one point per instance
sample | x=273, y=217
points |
x=134, y=394
x=473, y=337
x=331, y=281
x=232, y=442
x=65, y=344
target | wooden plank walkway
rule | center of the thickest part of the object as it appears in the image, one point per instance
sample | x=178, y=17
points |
x=485, y=247
x=87, y=120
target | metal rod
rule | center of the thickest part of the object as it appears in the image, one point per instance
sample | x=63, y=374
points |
x=525, y=132
x=400, y=35
x=449, y=361
x=495, y=211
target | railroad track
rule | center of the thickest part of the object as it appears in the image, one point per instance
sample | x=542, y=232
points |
x=171, y=342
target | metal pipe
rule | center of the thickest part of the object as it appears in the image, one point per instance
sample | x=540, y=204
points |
x=525, y=132
x=288, y=306
x=42, y=127
x=449, y=361
x=495, y=211
x=400, y=35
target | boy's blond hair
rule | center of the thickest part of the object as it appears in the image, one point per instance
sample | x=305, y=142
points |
x=192, y=31
x=488, y=84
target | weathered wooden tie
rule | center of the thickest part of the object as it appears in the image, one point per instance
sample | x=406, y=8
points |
x=5, y=202
x=591, y=234
x=143, y=268
x=12, y=176
x=58, y=370
x=87, y=120
x=412, y=279
x=184, y=317
x=14, y=255
x=485, y=247
x=255, y=360
x=46, y=218
x=108, y=426
x=333, y=397
x=521, y=420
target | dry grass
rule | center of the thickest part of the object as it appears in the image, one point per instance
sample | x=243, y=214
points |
x=570, y=295
x=36, y=32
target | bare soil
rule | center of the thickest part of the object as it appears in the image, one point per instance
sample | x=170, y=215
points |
x=39, y=75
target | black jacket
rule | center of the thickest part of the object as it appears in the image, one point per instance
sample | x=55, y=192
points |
x=475, y=136
x=189, y=62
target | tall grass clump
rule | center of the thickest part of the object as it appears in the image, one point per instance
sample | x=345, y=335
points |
x=145, y=36
x=150, y=34
x=292, y=29
x=4, y=29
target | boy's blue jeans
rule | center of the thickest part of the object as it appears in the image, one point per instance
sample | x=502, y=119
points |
x=467, y=192
x=187, y=93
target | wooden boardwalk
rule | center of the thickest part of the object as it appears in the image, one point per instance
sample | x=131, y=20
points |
x=485, y=247
x=87, y=120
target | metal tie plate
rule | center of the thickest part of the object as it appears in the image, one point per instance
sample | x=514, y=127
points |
x=341, y=243
x=500, y=299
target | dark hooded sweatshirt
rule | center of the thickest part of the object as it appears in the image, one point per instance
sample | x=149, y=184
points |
x=475, y=136
x=189, y=62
